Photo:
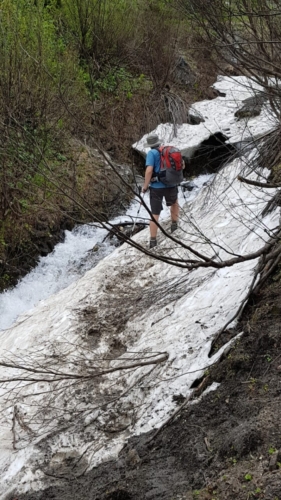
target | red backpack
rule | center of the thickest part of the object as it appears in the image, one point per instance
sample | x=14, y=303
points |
x=171, y=166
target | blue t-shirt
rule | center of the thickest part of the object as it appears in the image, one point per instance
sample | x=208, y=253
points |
x=153, y=160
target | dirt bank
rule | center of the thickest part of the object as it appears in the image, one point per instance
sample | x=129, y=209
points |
x=82, y=189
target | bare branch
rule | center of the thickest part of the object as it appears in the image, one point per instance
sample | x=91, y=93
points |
x=256, y=183
x=59, y=376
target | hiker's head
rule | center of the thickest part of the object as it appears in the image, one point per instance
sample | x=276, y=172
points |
x=153, y=141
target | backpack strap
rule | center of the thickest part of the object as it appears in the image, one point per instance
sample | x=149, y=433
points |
x=155, y=176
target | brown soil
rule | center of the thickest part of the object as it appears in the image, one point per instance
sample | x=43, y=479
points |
x=86, y=191
x=225, y=447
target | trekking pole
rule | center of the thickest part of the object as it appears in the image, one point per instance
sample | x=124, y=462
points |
x=139, y=188
x=183, y=191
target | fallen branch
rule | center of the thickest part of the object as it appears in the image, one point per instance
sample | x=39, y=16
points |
x=269, y=271
x=13, y=427
x=208, y=446
x=104, y=405
x=132, y=228
x=256, y=183
x=58, y=376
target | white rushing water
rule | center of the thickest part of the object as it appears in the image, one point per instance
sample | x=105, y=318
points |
x=81, y=250
x=53, y=272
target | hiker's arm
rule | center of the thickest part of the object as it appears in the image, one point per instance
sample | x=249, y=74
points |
x=147, y=177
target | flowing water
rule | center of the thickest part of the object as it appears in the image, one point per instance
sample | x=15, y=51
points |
x=81, y=250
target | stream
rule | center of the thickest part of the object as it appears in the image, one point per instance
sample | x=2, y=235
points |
x=81, y=250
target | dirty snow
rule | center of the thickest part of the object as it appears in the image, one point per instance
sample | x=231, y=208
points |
x=81, y=250
x=137, y=312
x=219, y=117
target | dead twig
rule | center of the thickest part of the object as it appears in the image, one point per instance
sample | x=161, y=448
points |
x=208, y=446
x=59, y=376
x=258, y=184
x=268, y=272
x=13, y=427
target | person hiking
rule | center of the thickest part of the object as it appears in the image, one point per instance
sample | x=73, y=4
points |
x=158, y=190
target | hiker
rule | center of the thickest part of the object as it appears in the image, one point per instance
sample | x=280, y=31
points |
x=158, y=190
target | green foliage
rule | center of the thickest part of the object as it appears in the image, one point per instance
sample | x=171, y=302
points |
x=24, y=204
x=271, y=450
x=39, y=79
x=64, y=65
x=98, y=27
x=118, y=81
x=2, y=237
x=58, y=58
x=248, y=477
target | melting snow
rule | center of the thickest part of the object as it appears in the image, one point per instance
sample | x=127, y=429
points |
x=133, y=308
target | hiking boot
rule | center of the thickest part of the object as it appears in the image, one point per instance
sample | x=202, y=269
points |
x=174, y=226
x=152, y=243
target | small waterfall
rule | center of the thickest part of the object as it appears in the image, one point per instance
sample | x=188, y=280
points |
x=70, y=260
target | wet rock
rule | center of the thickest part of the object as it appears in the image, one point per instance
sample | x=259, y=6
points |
x=194, y=118
x=178, y=398
x=44, y=249
x=96, y=248
x=217, y=93
x=188, y=185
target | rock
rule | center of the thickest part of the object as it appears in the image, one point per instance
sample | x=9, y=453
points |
x=273, y=461
x=230, y=70
x=178, y=398
x=133, y=458
x=188, y=185
x=44, y=249
x=251, y=107
x=217, y=93
x=182, y=73
x=194, y=118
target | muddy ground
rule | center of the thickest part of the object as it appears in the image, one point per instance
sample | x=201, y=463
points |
x=227, y=446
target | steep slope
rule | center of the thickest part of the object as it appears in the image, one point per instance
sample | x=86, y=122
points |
x=109, y=357
x=224, y=447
